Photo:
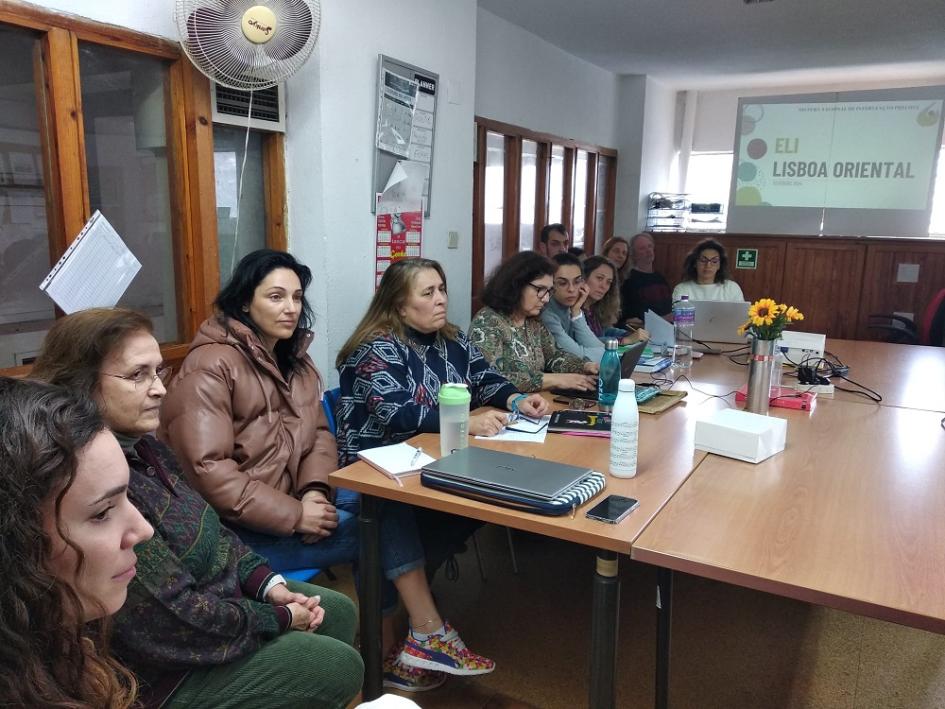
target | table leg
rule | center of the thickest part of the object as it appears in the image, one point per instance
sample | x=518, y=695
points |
x=605, y=617
x=370, y=597
x=664, y=618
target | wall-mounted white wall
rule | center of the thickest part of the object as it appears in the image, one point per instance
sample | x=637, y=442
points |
x=647, y=145
x=524, y=80
x=330, y=138
x=155, y=18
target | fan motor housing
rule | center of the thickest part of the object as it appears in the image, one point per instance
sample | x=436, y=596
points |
x=259, y=24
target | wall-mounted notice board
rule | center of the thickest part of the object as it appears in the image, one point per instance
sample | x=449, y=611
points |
x=406, y=124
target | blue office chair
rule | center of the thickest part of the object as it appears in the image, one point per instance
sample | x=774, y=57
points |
x=329, y=402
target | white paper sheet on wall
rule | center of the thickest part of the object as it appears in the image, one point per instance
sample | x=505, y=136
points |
x=95, y=271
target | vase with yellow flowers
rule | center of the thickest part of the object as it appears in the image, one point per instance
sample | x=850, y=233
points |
x=766, y=321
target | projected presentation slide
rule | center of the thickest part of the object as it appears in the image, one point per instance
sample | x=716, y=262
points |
x=867, y=155
x=859, y=163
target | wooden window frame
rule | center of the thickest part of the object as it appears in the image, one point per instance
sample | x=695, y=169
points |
x=514, y=135
x=190, y=156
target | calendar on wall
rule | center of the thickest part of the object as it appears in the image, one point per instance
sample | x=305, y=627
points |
x=406, y=126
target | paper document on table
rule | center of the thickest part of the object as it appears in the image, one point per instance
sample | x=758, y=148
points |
x=661, y=332
x=522, y=431
x=95, y=271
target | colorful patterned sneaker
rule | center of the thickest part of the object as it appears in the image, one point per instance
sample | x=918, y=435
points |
x=446, y=653
x=399, y=676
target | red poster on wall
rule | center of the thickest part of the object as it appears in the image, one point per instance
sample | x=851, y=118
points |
x=399, y=236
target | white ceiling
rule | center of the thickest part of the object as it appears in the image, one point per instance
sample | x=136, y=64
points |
x=727, y=43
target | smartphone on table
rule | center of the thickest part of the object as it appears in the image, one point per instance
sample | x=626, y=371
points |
x=612, y=509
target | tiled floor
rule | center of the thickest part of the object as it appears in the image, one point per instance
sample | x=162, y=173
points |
x=732, y=647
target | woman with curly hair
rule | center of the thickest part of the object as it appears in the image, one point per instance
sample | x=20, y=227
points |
x=706, y=276
x=67, y=533
x=511, y=335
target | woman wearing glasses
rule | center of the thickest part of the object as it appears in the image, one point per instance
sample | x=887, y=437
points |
x=705, y=274
x=207, y=623
x=509, y=330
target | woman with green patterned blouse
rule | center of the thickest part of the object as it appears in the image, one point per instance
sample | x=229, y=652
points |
x=511, y=335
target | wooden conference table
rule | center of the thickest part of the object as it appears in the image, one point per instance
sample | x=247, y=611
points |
x=848, y=515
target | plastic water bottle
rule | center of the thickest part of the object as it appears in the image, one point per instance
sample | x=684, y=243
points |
x=624, y=432
x=454, y=417
x=608, y=378
x=684, y=318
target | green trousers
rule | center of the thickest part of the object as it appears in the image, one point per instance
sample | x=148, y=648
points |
x=320, y=670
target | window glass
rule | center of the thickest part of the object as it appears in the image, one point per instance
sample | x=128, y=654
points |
x=228, y=152
x=25, y=311
x=600, y=220
x=708, y=178
x=526, y=231
x=494, y=200
x=556, y=184
x=123, y=106
x=579, y=198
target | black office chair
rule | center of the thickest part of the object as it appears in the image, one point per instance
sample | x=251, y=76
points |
x=929, y=331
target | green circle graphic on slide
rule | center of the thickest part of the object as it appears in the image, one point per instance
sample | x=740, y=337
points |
x=748, y=197
x=748, y=125
x=928, y=117
x=747, y=171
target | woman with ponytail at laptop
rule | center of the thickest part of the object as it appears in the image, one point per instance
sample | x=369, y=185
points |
x=705, y=274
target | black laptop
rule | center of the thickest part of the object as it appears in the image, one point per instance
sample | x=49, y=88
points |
x=628, y=362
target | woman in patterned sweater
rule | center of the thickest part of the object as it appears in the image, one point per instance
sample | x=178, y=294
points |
x=207, y=623
x=391, y=370
x=510, y=333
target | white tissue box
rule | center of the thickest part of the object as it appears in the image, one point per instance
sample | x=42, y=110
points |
x=741, y=435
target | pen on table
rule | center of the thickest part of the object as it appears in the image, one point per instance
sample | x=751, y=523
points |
x=416, y=456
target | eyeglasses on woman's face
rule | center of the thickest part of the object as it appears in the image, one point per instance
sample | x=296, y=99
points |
x=145, y=377
x=714, y=261
x=542, y=292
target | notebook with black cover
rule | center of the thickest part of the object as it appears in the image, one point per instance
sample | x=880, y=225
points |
x=628, y=362
x=529, y=477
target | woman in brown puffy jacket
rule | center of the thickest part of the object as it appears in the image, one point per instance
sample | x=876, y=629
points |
x=244, y=416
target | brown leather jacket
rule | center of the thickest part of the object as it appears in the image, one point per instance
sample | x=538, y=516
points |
x=249, y=441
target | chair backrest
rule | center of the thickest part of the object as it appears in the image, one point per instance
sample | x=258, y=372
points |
x=330, y=404
x=932, y=327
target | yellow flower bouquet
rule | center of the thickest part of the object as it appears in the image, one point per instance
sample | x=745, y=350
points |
x=767, y=319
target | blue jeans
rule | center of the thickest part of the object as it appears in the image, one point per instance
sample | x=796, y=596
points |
x=401, y=550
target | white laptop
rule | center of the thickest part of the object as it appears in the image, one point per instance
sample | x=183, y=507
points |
x=718, y=321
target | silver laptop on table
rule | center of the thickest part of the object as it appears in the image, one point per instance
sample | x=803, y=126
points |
x=719, y=321
x=507, y=472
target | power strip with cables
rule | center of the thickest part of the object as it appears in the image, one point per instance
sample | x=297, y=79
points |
x=822, y=390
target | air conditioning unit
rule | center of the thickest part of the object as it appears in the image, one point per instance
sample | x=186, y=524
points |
x=231, y=106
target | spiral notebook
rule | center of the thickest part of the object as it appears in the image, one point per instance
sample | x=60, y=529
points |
x=396, y=461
